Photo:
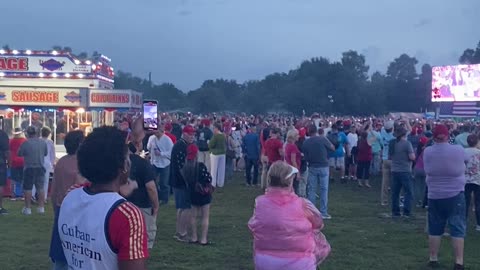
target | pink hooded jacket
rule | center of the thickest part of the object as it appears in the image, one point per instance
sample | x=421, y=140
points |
x=286, y=231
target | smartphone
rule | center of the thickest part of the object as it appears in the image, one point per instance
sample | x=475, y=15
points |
x=150, y=115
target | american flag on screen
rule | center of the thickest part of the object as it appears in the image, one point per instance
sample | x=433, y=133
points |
x=466, y=109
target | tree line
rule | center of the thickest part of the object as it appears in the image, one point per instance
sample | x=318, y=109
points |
x=317, y=85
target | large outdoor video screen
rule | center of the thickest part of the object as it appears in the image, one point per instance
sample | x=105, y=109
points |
x=456, y=83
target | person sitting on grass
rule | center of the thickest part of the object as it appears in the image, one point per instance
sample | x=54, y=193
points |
x=286, y=228
x=200, y=184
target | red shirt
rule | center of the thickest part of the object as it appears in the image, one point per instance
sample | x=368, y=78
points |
x=290, y=149
x=127, y=221
x=17, y=162
x=171, y=136
x=364, y=151
x=272, y=150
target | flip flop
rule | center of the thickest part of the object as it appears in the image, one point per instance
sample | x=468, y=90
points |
x=208, y=243
x=193, y=242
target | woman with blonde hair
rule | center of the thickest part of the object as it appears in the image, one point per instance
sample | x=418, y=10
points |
x=293, y=157
x=286, y=228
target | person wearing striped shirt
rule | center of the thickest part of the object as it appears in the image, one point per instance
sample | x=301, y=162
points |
x=98, y=228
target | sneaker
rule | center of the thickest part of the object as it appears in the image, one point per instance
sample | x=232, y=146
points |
x=384, y=203
x=41, y=210
x=180, y=238
x=3, y=211
x=433, y=264
x=477, y=228
x=26, y=211
x=458, y=267
x=327, y=216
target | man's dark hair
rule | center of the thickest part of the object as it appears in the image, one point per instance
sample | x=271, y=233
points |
x=472, y=140
x=73, y=139
x=334, y=127
x=312, y=130
x=102, y=154
x=45, y=132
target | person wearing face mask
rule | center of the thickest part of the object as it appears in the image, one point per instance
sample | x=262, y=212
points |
x=95, y=222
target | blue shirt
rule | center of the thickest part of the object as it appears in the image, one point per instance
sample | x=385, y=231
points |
x=342, y=141
x=251, y=145
x=377, y=143
x=386, y=138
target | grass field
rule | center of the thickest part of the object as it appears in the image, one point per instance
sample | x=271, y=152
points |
x=359, y=238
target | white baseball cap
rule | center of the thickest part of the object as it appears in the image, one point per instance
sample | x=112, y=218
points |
x=294, y=171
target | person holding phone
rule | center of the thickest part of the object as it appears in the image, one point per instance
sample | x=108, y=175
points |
x=145, y=197
x=160, y=147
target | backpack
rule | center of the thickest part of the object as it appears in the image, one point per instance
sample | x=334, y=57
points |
x=333, y=138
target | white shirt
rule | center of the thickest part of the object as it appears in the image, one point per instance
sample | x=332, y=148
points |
x=352, y=139
x=160, y=150
x=50, y=158
x=82, y=231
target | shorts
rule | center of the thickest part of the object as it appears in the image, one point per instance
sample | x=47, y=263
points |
x=3, y=176
x=182, y=198
x=33, y=176
x=337, y=162
x=449, y=211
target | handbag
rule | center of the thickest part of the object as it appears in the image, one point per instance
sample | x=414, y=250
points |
x=206, y=189
x=203, y=189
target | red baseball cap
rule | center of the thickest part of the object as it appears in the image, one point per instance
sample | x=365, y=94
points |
x=192, y=151
x=206, y=122
x=423, y=140
x=303, y=132
x=168, y=126
x=440, y=132
x=189, y=130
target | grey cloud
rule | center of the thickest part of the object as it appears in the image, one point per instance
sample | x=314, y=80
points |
x=422, y=22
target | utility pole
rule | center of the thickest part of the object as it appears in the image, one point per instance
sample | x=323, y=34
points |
x=150, y=78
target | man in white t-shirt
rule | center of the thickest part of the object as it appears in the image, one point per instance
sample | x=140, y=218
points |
x=352, y=139
x=160, y=147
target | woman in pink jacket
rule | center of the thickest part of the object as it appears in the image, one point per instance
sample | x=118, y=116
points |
x=285, y=227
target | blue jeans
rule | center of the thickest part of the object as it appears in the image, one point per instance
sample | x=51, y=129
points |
x=402, y=180
x=163, y=177
x=249, y=164
x=318, y=177
x=376, y=163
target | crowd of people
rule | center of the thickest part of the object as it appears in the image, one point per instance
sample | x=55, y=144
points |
x=123, y=175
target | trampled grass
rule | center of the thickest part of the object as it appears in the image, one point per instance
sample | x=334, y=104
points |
x=360, y=239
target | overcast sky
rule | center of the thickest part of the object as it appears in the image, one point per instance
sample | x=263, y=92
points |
x=188, y=41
